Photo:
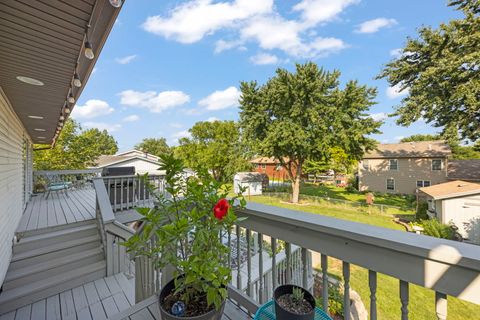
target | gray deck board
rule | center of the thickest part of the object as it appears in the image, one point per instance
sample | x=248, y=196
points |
x=112, y=285
x=80, y=303
x=58, y=209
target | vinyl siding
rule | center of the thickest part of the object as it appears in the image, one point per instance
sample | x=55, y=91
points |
x=13, y=194
x=409, y=171
x=464, y=212
x=141, y=166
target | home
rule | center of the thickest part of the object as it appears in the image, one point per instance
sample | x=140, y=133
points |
x=456, y=202
x=142, y=162
x=466, y=170
x=404, y=167
x=271, y=167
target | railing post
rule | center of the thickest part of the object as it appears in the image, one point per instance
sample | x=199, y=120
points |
x=441, y=305
x=260, y=268
x=324, y=265
x=305, y=269
x=404, y=299
x=346, y=290
x=288, y=268
x=372, y=282
x=239, y=260
x=249, y=263
x=274, y=263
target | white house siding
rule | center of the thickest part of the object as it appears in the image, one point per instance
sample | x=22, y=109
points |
x=409, y=171
x=464, y=212
x=141, y=166
x=15, y=178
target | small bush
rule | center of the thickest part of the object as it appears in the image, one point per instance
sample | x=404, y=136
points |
x=335, y=300
x=436, y=229
x=421, y=213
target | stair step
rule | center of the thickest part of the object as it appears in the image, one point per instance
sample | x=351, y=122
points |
x=20, y=276
x=34, y=291
x=46, y=239
x=55, y=248
x=28, y=233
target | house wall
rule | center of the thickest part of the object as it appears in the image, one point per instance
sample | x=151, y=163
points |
x=15, y=178
x=464, y=212
x=409, y=171
x=141, y=166
x=271, y=171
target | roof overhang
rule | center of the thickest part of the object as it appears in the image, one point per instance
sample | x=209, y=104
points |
x=128, y=159
x=44, y=40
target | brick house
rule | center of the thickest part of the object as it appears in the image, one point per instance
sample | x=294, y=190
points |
x=271, y=167
x=404, y=167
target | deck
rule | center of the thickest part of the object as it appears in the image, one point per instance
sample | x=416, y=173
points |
x=59, y=209
x=96, y=300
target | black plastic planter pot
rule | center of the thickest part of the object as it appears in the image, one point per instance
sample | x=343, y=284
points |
x=165, y=315
x=282, y=314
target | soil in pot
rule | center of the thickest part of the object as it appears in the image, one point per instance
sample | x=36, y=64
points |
x=288, y=303
x=192, y=308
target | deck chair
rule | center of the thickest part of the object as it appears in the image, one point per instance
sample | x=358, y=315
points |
x=54, y=184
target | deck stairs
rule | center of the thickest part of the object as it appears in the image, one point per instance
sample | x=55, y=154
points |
x=51, y=260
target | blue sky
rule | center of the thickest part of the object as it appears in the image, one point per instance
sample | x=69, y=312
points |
x=169, y=64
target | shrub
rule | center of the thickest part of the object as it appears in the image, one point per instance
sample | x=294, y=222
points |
x=421, y=213
x=335, y=299
x=434, y=228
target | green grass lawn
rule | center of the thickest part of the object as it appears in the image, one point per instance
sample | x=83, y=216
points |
x=421, y=304
x=342, y=193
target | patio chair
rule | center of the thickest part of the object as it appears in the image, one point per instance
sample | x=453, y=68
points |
x=55, y=184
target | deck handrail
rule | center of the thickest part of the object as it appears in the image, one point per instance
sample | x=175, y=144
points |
x=112, y=232
x=66, y=172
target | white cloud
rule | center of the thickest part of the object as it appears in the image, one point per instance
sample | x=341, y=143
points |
x=398, y=138
x=126, y=60
x=91, y=109
x=155, y=102
x=372, y=26
x=396, y=53
x=394, y=92
x=253, y=21
x=213, y=119
x=380, y=116
x=317, y=11
x=191, y=21
x=221, y=99
x=102, y=126
x=264, y=58
x=131, y=118
x=175, y=137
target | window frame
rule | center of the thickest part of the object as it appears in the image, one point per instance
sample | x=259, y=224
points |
x=422, y=183
x=441, y=165
x=390, y=164
x=264, y=166
x=386, y=184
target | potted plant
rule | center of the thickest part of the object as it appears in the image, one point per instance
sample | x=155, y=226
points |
x=190, y=222
x=293, y=303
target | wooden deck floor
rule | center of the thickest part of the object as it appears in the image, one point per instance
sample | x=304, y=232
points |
x=58, y=209
x=96, y=300
x=148, y=310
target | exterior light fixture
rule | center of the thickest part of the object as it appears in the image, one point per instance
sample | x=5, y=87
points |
x=67, y=110
x=89, y=51
x=31, y=81
x=76, y=80
x=71, y=98
x=116, y=3
x=62, y=118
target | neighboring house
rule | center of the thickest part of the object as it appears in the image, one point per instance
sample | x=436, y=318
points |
x=271, y=167
x=143, y=162
x=456, y=202
x=404, y=167
x=466, y=170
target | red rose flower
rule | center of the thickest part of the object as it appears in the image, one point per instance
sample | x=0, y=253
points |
x=220, y=210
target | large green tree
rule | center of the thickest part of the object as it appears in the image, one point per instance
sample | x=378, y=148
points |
x=441, y=70
x=216, y=147
x=304, y=114
x=155, y=146
x=75, y=148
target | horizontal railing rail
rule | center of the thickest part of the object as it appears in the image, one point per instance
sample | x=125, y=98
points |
x=78, y=179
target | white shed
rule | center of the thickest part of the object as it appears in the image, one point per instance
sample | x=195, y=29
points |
x=251, y=181
x=456, y=202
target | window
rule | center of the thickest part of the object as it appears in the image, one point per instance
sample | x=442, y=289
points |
x=390, y=184
x=436, y=164
x=423, y=183
x=264, y=165
x=393, y=164
x=366, y=165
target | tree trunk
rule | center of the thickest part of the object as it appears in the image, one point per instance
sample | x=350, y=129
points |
x=296, y=183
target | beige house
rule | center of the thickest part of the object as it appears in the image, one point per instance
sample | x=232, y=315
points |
x=142, y=162
x=404, y=167
x=456, y=202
